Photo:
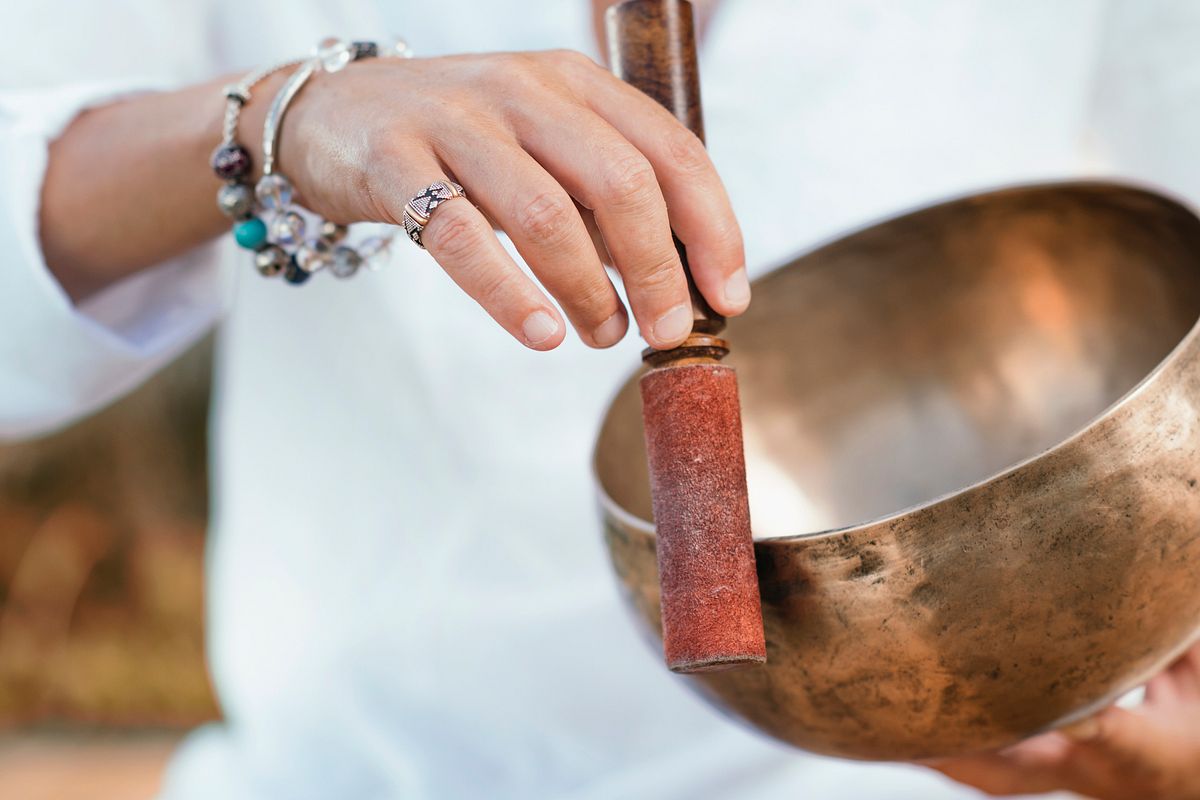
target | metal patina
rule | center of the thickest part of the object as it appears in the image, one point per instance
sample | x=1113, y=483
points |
x=973, y=448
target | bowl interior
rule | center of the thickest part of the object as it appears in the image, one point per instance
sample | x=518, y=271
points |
x=922, y=355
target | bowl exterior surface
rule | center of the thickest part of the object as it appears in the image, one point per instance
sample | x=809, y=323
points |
x=996, y=612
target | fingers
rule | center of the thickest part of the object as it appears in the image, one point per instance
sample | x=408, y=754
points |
x=589, y=221
x=1185, y=674
x=535, y=137
x=1177, y=684
x=1121, y=748
x=1119, y=734
x=544, y=224
x=700, y=211
x=608, y=175
x=1032, y=767
x=462, y=241
x=1114, y=755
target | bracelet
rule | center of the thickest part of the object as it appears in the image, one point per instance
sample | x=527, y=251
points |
x=230, y=161
x=281, y=246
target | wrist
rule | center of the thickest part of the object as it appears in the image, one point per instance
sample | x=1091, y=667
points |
x=260, y=194
x=249, y=131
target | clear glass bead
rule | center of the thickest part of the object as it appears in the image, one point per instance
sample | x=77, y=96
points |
x=334, y=54
x=345, y=262
x=374, y=251
x=313, y=256
x=274, y=192
x=374, y=245
x=396, y=47
x=287, y=228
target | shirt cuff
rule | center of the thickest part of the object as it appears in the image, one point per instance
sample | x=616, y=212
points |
x=59, y=361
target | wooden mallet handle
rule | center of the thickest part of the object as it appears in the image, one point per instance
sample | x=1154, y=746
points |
x=652, y=46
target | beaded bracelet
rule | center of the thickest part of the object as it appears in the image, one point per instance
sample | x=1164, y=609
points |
x=230, y=161
x=281, y=246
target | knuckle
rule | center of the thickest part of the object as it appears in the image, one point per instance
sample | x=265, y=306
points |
x=522, y=71
x=687, y=152
x=546, y=219
x=729, y=240
x=570, y=56
x=629, y=181
x=660, y=275
x=382, y=146
x=595, y=300
x=571, y=59
x=383, y=155
x=495, y=289
x=513, y=62
x=452, y=235
x=453, y=115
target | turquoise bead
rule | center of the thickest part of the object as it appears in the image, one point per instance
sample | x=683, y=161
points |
x=251, y=234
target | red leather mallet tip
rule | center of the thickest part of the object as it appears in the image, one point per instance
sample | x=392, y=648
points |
x=711, y=612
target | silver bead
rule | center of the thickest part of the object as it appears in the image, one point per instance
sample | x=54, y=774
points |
x=287, y=228
x=270, y=261
x=313, y=256
x=334, y=54
x=332, y=232
x=274, y=192
x=345, y=262
x=235, y=200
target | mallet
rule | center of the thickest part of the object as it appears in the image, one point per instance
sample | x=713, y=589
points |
x=711, y=613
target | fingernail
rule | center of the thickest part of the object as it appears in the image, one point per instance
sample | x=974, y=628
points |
x=673, y=325
x=610, y=331
x=1083, y=730
x=538, y=327
x=737, y=289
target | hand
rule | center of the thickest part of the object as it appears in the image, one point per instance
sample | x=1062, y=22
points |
x=1151, y=753
x=572, y=163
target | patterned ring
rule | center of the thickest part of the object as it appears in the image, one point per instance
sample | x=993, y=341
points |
x=418, y=210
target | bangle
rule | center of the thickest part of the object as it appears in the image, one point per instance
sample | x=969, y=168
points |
x=284, y=247
x=273, y=123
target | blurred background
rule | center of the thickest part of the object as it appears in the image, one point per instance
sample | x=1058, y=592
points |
x=101, y=596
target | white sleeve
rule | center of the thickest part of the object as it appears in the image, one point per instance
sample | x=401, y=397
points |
x=1144, y=121
x=59, y=361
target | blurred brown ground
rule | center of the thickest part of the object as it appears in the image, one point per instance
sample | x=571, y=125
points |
x=101, y=594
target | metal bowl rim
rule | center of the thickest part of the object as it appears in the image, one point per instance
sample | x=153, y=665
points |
x=630, y=520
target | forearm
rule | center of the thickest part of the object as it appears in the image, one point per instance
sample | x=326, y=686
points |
x=128, y=184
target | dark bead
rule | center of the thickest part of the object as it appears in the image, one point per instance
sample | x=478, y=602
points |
x=332, y=232
x=363, y=50
x=294, y=273
x=270, y=261
x=230, y=162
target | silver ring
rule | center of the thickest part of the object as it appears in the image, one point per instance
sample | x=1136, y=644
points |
x=418, y=210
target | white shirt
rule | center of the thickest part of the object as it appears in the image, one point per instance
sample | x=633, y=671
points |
x=408, y=595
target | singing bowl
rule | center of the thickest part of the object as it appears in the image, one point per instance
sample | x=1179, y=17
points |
x=972, y=441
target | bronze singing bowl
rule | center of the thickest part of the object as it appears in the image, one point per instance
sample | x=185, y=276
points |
x=973, y=449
